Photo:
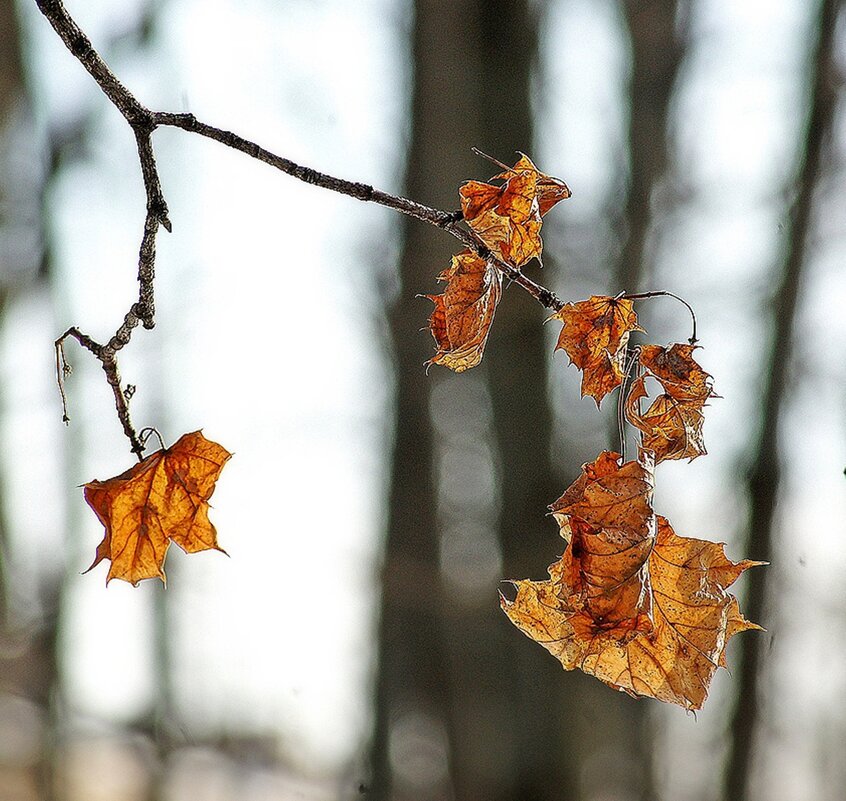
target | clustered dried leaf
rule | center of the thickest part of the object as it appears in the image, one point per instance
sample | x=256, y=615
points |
x=672, y=425
x=595, y=337
x=507, y=217
x=630, y=602
x=462, y=316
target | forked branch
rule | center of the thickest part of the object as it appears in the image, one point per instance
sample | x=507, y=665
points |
x=144, y=122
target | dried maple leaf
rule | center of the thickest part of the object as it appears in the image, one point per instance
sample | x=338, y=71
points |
x=160, y=500
x=671, y=428
x=672, y=425
x=631, y=602
x=595, y=335
x=508, y=217
x=608, y=495
x=606, y=517
x=678, y=372
x=550, y=191
x=463, y=314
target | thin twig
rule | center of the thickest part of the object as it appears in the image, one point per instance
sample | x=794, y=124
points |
x=446, y=220
x=632, y=362
x=107, y=357
x=663, y=293
x=144, y=122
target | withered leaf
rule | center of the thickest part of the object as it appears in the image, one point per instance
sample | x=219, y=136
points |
x=507, y=217
x=463, y=314
x=610, y=495
x=631, y=602
x=678, y=372
x=671, y=428
x=160, y=500
x=672, y=425
x=606, y=516
x=550, y=191
x=595, y=335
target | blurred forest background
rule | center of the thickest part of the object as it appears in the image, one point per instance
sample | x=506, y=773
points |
x=352, y=647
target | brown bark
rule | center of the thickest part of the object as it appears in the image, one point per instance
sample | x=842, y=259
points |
x=764, y=477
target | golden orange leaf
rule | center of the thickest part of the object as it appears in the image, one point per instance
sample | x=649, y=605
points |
x=550, y=191
x=463, y=314
x=595, y=335
x=672, y=425
x=606, y=517
x=671, y=428
x=678, y=372
x=610, y=495
x=508, y=217
x=630, y=602
x=160, y=500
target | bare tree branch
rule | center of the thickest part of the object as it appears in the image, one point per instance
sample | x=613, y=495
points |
x=144, y=122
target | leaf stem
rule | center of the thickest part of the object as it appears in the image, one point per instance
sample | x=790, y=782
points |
x=147, y=432
x=632, y=362
x=664, y=293
x=490, y=159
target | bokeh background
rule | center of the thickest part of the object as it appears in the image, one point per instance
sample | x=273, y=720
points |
x=352, y=646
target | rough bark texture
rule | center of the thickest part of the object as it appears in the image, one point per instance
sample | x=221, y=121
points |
x=764, y=477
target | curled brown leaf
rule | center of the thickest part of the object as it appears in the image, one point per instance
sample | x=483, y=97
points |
x=463, y=314
x=630, y=602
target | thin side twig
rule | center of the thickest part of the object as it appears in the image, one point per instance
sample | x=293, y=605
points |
x=446, y=220
x=107, y=357
x=659, y=293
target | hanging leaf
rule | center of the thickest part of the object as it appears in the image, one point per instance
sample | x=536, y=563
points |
x=160, y=500
x=507, y=217
x=550, y=191
x=463, y=314
x=680, y=375
x=630, y=602
x=595, y=335
x=672, y=429
x=672, y=425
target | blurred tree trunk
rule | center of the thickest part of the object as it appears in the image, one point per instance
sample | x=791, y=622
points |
x=527, y=733
x=657, y=46
x=764, y=477
x=657, y=42
x=411, y=683
x=28, y=612
x=519, y=726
